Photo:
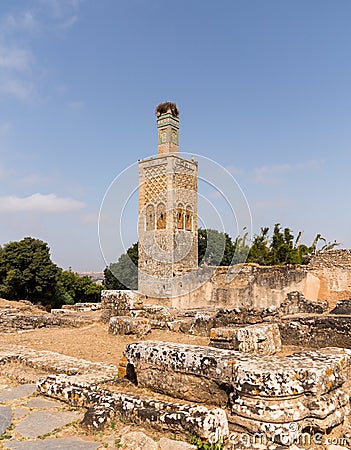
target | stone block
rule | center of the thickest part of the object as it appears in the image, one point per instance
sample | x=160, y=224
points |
x=268, y=393
x=119, y=303
x=259, y=339
x=122, y=325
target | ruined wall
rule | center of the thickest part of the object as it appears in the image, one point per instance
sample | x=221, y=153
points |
x=326, y=277
x=333, y=269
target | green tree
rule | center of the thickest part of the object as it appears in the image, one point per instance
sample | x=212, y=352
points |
x=77, y=289
x=259, y=250
x=27, y=272
x=215, y=248
x=124, y=273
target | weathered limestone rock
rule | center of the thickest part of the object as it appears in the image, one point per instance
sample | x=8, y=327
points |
x=342, y=307
x=137, y=440
x=123, y=325
x=119, y=303
x=104, y=405
x=267, y=393
x=316, y=331
x=245, y=315
x=156, y=312
x=296, y=303
x=52, y=362
x=259, y=339
x=170, y=444
x=83, y=306
x=14, y=322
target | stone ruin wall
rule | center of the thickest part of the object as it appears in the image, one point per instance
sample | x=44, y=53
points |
x=326, y=277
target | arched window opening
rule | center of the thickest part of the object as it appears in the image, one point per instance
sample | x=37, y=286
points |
x=189, y=218
x=161, y=216
x=150, y=218
x=180, y=216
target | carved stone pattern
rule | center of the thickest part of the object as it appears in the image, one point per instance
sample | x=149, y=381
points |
x=184, y=181
x=155, y=182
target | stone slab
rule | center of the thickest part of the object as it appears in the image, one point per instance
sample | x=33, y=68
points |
x=39, y=423
x=52, y=362
x=316, y=372
x=42, y=403
x=10, y=394
x=53, y=444
x=20, y=412
x=5, y=418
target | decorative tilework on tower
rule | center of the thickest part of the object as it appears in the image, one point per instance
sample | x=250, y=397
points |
x=167, y=224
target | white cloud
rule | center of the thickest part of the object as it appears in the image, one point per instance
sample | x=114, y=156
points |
x=68, y=23
x=39, y=203
x=14, y=58
x=20, y=21
x=20, y=70
x=16, y=88
x=274, y=173
x=59, y=8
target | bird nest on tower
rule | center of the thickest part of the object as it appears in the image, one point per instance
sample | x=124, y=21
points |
x=167, y=107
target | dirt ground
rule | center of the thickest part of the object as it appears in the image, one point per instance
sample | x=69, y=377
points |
x=92, y=342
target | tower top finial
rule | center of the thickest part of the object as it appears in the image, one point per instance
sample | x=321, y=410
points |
x=167, y=107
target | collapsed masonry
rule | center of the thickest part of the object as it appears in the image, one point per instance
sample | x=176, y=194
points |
x=261, y=391
x=261, y=394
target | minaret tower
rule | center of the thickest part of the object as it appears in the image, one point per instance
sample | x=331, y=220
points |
x=167, y=223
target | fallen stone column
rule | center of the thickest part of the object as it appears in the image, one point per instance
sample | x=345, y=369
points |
x=103, y=405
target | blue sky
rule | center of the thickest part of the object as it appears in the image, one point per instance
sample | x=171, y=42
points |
x=263, y=88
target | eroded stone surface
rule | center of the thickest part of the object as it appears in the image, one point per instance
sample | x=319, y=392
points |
x=171, y=444
x=316, y=330
x=137, y=440
x=93, y=372
x=123, y=325
x=259, y=339
x=120, y=303
x=296, y=303
x=103, y=406
x=39, y=423
x=268, y=392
